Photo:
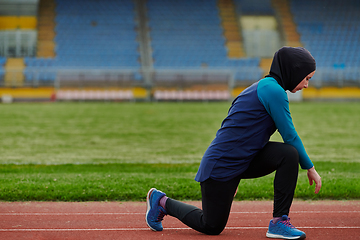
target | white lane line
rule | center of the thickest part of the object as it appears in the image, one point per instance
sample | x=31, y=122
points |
x=143, y=213
x=310, y=212
x=71, y=229
x=66, y=214
x=146, y=229
x=325, y=227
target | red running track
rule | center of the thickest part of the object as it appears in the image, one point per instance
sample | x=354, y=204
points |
x=329, y=220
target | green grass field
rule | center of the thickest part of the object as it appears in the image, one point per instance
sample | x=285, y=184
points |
x=117, y=151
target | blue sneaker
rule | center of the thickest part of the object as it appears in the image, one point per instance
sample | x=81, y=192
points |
x=154, y=212
x=284, y=229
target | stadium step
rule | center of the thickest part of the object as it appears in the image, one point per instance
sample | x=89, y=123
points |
x=265, y=64
x=14, y=76
x=46, y=25
x=232, y=32
x=287, y=23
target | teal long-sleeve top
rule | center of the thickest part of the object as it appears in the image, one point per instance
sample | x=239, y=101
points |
x=253, y=117
x=276, y=103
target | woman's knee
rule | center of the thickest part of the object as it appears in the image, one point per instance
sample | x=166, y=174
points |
x=290, y=159
x=214, y=230
x=290, y=153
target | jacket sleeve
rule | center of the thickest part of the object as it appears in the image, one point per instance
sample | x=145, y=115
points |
x=276, y=103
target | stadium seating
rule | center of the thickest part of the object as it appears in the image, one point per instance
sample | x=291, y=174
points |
x=96, y=33
x=332, y=35
x=89, y=34
x=254, y=7
x=2, y=61
x=101, y=34
x=39, y=69
x=188, y=35
x=2, y=70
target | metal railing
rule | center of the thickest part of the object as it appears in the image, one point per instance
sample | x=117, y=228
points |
x=180, y=78
x=336, y=77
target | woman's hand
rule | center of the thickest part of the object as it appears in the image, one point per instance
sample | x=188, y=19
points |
x=314, y=177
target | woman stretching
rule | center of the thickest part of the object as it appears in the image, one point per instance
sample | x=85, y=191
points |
x=242, y=150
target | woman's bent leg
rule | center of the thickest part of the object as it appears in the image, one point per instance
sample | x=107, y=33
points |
x=217, y=198
x=284, y=159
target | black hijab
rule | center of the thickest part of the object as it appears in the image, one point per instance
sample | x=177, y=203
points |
x=291, y=65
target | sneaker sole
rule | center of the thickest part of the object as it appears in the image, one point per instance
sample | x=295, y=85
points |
x=148, y=208
x=271, y=235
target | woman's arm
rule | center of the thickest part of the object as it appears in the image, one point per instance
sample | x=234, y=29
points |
x=276, y=103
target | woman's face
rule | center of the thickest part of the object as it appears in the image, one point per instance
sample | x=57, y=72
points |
x=304, y=83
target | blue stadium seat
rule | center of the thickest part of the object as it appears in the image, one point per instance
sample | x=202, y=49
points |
x=2, y=61
x=188, y=35
x=2, y=70
x=330, y=30
x=96, y=33
x=89, y=34
x=254, y=7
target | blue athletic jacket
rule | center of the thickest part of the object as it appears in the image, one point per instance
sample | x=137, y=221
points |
x=252, y=118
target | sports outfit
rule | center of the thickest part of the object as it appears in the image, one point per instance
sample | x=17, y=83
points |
x=241, y=148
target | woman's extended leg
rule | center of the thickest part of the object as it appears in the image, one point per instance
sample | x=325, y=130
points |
x=217, y=198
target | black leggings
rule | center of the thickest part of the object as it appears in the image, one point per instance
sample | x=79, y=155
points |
x=217, y=196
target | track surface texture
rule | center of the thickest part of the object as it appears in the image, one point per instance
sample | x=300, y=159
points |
x=329, y=220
